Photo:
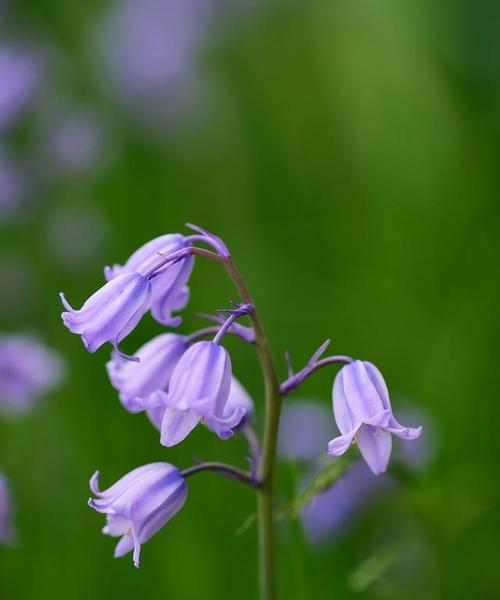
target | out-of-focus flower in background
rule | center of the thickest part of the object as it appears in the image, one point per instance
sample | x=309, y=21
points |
x=6, y=510
x=14, y=186
x=28, y=370
x=336, y=508
x=20, y=78
x=331, y=511
x=148, y=54
x=76, y=234
x=75, y=141
x=304, y=430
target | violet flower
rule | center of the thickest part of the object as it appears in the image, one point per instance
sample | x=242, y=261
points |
x=363, y=414
x=111, y=313
x=238, y=402
x=148, y=52
x=28, y=370
x=198, y=391
x=169, y=287
x=139, y=504
x=136, y=381
x=332, y=510
x=6, y=529
x=20, y=76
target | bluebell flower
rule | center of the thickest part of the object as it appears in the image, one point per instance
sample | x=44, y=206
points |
x=111, y=313
x=28, y=370
x=199, y=390
x=169, y=291
x=139, y=504
x=136, y=381
x=363, y=413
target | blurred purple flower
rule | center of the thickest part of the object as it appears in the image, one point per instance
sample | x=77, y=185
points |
x=13, y=186
x=304, y=430
x=363, y=413
x=20, y=76
x=6, y=528
x=75, y=141
x=28, y=370
x=331, y=511
x=169, y=288
x=198, y=390
x=148, y=52
x=75, y=235
x=111, y=313
x=136, y=381
x=139, y=504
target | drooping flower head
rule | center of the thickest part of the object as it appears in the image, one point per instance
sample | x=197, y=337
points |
x=237, y=411
x=136, y=381
x=111, y=313
x=363, y=413
x=28, y=370
x=198, y=390
x=6, y=529
x=169, y=288
x=139, y=504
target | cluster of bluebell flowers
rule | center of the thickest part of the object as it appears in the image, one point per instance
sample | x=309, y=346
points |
x=181, y=381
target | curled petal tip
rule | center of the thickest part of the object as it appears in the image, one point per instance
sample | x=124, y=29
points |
x=94, y=484
x=129, y=357
x=66, y=304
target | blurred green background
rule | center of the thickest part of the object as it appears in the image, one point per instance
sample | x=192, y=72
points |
x=348, y=153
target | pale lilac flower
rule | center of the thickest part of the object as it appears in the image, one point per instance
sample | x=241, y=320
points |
x=20, y=75
x=136, y=381
x=139, y=504
x=304, y=430
x=169, y=288
x=75, y=141
x=363, y=414
x=238, y=403
x=332, y=510
x=198, y=391
x=111, y=313
x=28, y=370
x=6, y=528
x=148, y=51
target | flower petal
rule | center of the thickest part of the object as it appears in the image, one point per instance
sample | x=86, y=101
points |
x=361, y=394
x=340, y=444
x=344, y=417
x=177, y=425
x=375, y=446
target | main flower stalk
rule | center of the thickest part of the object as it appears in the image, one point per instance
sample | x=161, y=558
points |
x=273, y=401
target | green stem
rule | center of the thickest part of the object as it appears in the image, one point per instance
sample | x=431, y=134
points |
x=267, y=571
x=273, y=400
